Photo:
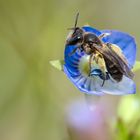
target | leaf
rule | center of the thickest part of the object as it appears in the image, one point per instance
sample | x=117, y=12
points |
x=58, y=64
x=136, y=66
x=121, y=130
x=124, y=111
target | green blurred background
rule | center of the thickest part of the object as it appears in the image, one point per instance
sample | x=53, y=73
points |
x=33, y=94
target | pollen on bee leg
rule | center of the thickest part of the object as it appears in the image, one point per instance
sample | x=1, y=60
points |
x=104, y=35
x=84, y=65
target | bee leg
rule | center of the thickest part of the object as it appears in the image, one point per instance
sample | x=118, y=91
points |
x=90, y=60
x=100, y=61
x=73, y=51
x=103, y=82
x=104, y=77
x=103, y=35
x=81, y=50
x=107, y=76
x=109, y=45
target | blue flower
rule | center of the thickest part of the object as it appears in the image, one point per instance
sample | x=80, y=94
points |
x=76, y=66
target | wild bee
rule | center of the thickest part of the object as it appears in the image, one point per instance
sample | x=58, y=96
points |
x=109, y=57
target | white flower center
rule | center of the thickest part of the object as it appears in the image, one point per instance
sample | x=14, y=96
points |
x=84, y=65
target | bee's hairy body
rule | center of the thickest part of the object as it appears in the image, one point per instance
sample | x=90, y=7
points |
x=109, y=57
x=106, y=65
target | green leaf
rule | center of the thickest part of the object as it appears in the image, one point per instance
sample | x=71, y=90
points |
x=58, y=64
x=136, y=66
x=124, y=111
x=121, y=130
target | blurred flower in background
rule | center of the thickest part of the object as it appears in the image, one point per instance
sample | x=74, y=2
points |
x=90, y=120
x=98, y=118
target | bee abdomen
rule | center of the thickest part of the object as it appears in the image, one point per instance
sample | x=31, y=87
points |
x=115, y=73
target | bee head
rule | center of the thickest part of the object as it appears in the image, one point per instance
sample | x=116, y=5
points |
x=76, y=35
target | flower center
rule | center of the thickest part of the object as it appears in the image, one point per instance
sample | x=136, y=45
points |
x=84, y=65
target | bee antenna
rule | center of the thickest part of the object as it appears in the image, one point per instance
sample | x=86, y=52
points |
x=76, y=20
x=75, y=24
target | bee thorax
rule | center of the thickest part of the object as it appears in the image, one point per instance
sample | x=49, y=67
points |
x=87, y=49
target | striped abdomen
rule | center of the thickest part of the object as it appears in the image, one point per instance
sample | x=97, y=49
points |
x=113, y=70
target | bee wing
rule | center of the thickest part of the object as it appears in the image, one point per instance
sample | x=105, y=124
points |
x=110, y=52
x=118, y=51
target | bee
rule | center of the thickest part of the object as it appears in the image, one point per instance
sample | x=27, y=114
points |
x=109, y=57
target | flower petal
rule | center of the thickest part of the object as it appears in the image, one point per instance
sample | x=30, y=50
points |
x=83, y=83
x=72, y=60
x=91, y=30
x=126, y=86
x=125, y=42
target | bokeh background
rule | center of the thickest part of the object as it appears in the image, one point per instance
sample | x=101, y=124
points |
x=33, y=95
